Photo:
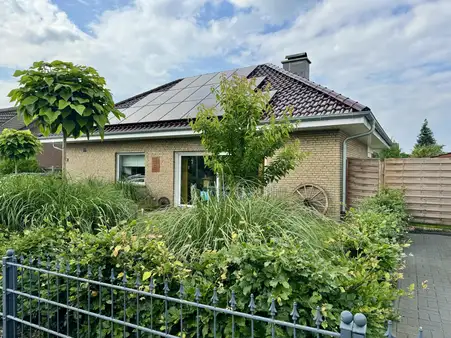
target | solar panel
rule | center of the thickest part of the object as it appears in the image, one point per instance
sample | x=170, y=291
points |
x=165, y=96
x=147, y=99
x=185, y=82
x=182, y=95
x=200, y=93
x=208, y=103
x=245, y=71
x=139, y=115
x=180, y=110
x=217, y=78
x=128, y=113
x=159, y=112
x=202, y=80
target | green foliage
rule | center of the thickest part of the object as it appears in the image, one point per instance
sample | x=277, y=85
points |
x=237, y=143
x=426, y=136
x=29, y=165
x=63, y=97
x=17, y=145
x=214, y=224
x=427, y=151
x=32, y=200
x=355, y=268
x=393, y=152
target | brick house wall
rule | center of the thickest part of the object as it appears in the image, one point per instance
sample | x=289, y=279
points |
x=321, y=167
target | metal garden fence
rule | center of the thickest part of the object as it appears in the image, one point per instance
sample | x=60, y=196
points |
x=44, y=299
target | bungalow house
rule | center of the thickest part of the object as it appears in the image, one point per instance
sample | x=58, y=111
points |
x=50, y=158
x=154, y=144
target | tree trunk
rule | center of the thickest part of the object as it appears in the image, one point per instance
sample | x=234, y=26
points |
x=64, y=159
x=15, y=167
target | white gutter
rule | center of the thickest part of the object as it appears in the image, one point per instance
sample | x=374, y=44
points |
x=344, y=162
x=302, y=125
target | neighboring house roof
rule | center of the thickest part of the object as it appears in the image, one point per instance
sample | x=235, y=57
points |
x=6, y=114
x=445, y=155
x=10, y=119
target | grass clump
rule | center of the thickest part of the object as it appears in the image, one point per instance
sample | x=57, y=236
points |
x=215, y=224
x=32, y=200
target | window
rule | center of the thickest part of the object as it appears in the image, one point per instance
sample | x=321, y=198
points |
x=131, y=168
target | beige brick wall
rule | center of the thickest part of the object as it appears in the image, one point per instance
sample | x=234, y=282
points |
x=99, y=160
x=321, y=167
x=357, y=149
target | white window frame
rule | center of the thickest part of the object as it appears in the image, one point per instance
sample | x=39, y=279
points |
x=119, y=154
x=178, y=175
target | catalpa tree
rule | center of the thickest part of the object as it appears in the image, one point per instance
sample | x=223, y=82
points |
x=63, y=98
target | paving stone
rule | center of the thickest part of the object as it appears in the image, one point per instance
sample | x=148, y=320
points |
x=430, y=307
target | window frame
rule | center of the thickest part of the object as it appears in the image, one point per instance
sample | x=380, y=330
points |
x=118, y=165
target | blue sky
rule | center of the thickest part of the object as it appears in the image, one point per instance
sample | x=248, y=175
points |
x=392, y=55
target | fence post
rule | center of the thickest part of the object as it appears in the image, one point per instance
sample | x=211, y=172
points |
x=9, y=299
x=346, y=324
x=359, y=328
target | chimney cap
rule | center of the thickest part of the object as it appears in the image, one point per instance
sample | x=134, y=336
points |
x=296, y=57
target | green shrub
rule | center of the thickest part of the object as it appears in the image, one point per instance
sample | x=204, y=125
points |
x=30, y=165
x=213, y=224
x=31, y=200
x=351, y=266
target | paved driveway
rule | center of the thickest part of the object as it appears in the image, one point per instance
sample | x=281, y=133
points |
x=429, y=259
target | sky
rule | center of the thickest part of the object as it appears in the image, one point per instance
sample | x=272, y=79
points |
x=393, y=56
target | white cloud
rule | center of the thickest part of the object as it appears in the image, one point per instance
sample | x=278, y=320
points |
x=399, y=65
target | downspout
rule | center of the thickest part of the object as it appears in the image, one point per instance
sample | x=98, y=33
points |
x=344, y=164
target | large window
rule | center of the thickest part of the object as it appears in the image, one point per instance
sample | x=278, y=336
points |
x=131, y=167
x=193, y=177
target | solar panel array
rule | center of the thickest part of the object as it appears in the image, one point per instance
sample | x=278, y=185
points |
x=182, y=100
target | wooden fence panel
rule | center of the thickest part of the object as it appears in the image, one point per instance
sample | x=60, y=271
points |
x=426, y=182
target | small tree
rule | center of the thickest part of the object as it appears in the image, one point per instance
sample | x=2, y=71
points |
x=61, y=97
x=17, y=145
x=238, y=143
x=426, y=136
x=393, y=152
x=427, y=151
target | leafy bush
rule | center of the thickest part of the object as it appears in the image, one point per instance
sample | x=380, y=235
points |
x=353, y=266
x=30, y=200
x=427, y=150
x=30, y=165
x=214, y=224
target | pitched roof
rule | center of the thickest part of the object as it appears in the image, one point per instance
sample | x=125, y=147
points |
x=306, y=98
x=6, y=114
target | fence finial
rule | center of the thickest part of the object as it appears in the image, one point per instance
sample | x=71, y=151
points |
x=151, y=285
x=294, y=313
x=252, y=306
x=182, y=291
x=214, y=298
x=9, y=253
x=318, y=317
x=272, y=308
x=233, y=301
x=389, y=332
x=420, y=332
x=197, y=295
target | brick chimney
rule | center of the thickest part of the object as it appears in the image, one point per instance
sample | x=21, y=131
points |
x=298, y=64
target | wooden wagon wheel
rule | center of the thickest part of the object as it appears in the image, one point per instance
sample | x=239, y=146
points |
x=313, y=196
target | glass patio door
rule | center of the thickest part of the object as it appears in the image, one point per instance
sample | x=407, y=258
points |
x=193, y=179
